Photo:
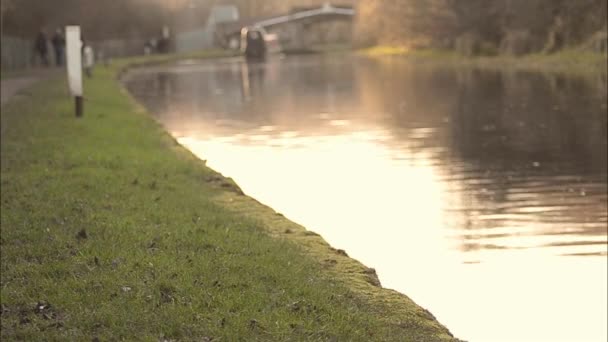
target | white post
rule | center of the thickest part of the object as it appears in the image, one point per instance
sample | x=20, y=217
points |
x=74, y=65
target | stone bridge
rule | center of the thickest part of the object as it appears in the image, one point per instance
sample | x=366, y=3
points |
x=291, y=28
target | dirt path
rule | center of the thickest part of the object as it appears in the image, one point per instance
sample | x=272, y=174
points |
x=13, y=85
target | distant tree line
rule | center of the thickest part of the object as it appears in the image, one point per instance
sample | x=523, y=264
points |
x=124, y=19
x=484, y=26
x=470, y=26
x=99, y=19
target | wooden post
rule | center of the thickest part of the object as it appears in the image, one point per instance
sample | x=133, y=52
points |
x=79, y=106
x=74, y=66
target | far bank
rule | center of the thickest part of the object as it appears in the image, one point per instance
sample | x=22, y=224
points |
x=571, y=61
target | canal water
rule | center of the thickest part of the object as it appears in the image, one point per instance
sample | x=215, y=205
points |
x=481, y=194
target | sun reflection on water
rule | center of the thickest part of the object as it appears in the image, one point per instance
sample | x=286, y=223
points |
x=490, y=214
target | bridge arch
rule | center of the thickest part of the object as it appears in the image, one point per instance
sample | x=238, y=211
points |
x=293, y=25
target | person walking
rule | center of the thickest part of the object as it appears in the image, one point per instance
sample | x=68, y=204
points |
x=58, y=47
x=40, y=45
x=88, y=59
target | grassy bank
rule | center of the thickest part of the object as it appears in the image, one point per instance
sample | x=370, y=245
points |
x=112, y=231
x=567, y=61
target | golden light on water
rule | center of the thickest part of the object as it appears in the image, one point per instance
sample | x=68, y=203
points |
x=477, y=212
x=361, y=197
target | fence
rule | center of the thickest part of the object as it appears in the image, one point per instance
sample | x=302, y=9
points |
x=117, y=48
x=17, y=53
x=193, y=40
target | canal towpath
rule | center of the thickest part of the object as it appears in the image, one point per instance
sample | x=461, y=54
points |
x=13, y=84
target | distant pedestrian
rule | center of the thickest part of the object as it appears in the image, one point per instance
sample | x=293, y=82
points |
x=83, y=43
x=88, y=59
x=40, y=45
x=148, y=47
x=163, y=45
x=58, y=42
